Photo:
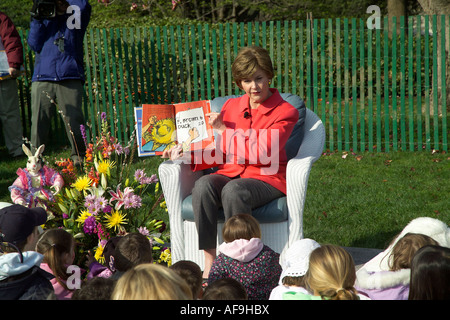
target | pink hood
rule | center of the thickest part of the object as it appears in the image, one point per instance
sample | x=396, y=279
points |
x=241, y=249
x=60, y=292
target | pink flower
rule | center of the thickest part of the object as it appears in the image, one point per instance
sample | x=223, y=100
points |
x=120, y=196
x=143, y=231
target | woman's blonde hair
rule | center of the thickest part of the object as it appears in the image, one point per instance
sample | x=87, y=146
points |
x=331, y=273
x=241, y=226
x=248, y=61
x=151, y=282
x=404, y=250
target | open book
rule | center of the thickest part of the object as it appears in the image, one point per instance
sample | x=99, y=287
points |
x=161, y=126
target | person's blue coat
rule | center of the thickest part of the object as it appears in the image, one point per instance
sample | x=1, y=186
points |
x=55, y=62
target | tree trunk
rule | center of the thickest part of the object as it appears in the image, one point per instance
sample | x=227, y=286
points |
x=440, y=7
x=395, y=8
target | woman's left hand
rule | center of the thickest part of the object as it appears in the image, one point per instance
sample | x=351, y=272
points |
x=215, y=120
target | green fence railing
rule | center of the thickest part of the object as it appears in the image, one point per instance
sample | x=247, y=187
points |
x=373, y=90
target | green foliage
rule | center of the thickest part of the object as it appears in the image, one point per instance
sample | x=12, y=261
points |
x=122, y=13
x=18, y=11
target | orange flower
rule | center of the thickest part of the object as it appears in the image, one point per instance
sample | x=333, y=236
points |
x=93, y=175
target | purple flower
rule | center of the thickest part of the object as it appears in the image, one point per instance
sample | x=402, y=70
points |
x=89, y=225
x=65, y=216
x=141, y=177
x=83, y=134
x=132, y=201
x=118, y=148
x=103, y=116
x=107, y=209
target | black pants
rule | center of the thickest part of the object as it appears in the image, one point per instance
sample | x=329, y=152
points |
x=239, y=195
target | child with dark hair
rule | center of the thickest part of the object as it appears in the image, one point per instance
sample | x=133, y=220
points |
x=96, y=269
x=225, y=289
x=430, y=274
x=244, y=257
x=21, y=278
x=95, y=289
x=131, y=250
x=192, y=274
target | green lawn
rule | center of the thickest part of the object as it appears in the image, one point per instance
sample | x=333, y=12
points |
x=364, y=200
x=360, y=200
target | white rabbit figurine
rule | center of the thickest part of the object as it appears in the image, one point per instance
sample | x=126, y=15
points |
x=31, y=182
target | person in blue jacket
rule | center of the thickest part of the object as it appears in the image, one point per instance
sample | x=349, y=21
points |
x=58, y=76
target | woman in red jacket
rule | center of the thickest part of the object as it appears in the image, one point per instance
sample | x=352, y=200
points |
x=250, y=150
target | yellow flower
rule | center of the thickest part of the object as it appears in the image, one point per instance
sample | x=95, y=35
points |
x=83, y=216
x=115, y=219
x=82, y=183
x=99, y=254
x=105, y=165
x=166, y=257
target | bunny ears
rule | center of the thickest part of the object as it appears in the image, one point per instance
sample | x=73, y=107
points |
x=28, y=152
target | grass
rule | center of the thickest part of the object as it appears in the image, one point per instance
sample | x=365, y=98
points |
x=364, y=200
x=360, y=200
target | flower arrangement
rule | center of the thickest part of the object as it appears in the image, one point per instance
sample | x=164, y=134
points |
x=108, y=197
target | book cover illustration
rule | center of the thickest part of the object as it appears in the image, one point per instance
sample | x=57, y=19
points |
x=160, y=127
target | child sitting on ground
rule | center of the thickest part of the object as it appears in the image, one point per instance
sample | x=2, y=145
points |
x=192, y=274
x=148, y=281
x=58, y=248
x=330, y=276
x=371, y=276
x=295, y=267
x=393, y=284
x=225, y=289
x=244, y=257
x=430, y=274
x=96, y=269
x=98, y=288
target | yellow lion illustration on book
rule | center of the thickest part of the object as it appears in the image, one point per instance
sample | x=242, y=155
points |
x=161, y=132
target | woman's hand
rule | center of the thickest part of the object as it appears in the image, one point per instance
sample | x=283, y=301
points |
x=173, y=153
x=215, y=120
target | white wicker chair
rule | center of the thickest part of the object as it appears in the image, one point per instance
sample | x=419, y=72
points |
x=177, y=181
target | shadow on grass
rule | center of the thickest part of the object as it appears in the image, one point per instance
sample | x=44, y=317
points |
x=380, y=240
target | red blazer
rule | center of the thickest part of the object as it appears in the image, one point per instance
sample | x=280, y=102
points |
x=253, y=145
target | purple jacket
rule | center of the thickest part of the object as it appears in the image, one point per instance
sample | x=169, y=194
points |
x=384, y=285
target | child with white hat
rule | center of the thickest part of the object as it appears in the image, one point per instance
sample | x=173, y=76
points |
x=295, y=267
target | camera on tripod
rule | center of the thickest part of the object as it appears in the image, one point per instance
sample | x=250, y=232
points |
x=43, y=9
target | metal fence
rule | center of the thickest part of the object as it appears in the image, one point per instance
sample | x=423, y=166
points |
x=375, y=90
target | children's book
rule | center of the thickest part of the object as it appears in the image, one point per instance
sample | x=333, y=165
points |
x=161, y=126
